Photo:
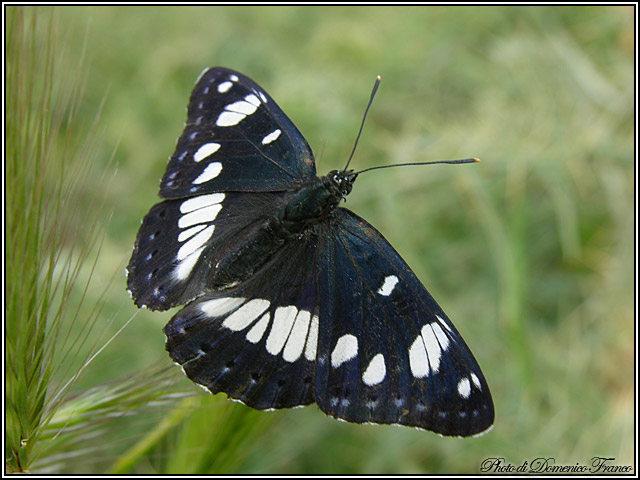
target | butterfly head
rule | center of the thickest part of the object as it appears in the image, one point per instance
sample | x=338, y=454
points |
x=341, y=181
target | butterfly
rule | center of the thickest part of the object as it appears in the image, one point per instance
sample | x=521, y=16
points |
x=290, y=298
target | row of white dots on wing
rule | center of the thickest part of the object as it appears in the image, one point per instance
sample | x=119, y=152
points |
x=210, y=171
x=205, y=150
x=346, y=349
x=425, y=352
x=213, y=169
x=197, y=213
x=290, y=333
x=235, y=112
x=222, y=88
x=293, y=331
x=464, y=386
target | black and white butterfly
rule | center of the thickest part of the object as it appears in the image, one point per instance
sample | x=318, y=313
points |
x=291, y=299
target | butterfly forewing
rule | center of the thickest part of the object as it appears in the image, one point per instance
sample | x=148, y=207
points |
x=236, y=138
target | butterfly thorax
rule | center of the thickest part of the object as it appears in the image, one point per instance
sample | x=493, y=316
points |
x=313, y=203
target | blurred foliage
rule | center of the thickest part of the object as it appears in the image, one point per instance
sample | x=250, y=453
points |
x=530, y=252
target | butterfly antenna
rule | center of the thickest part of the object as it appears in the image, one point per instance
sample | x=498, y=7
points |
x=373, y=92
x=464, y=160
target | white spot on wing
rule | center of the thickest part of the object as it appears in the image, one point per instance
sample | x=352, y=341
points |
x=432, y=346
x=376, y=371
x=426, y=351
x=346, y=348
x=257, y=331
x=442, y=337
x=183, y=269
x=253, y=100
x=205, y=150
x=202, y=215
x=476, y=381
x=195, y=243
x=418, y=358
x=442, y=322
x=229, y=119
x=312, y=340
x=235, y=112
x=211, y=171
x=464, y=388
x=295, y=342
x=243, y=106
x=189, y=233
x=224, y=87
x=233, y=78
x=388, y=285
x=282, y=323
x=219, y=306
x=245, y=315
x=201, y=202
x=271, y=137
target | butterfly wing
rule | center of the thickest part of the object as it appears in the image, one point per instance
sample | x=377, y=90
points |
x=256, y=342
x=338, y=318
x=387, y=353
x=181, y=242
x=234, y=162
x=236, y=138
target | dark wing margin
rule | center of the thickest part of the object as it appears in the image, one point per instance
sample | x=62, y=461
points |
x=391, y=355
x=236, y=138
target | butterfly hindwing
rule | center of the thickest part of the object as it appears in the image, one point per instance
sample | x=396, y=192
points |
x=256, y=342
x=236, y=138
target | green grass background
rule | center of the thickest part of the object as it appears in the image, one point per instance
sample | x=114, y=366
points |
x=530, y=252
